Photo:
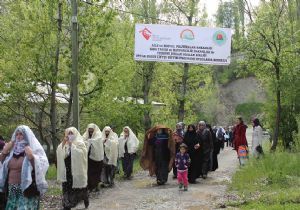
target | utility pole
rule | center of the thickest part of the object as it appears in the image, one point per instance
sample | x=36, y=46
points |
x=75, y=75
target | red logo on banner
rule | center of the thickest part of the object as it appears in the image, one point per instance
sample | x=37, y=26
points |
x=146, y=33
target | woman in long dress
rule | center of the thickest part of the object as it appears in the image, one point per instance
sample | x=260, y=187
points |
x=93, y=141
x=23, y=166
x=110, y=145
x=257, y=137
x=192, y=141
x=158, y=153
x=72, y=169
x=128, y=145
x=240, y=134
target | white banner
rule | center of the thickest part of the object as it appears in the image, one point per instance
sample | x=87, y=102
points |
x=182, y=44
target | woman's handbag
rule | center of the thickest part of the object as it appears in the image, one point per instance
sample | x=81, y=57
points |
x=259, y=149
x=32, y=190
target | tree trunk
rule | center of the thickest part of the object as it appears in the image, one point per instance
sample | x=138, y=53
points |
x=148, y=69
x=278, y=109
x=183, y=88
x=298, y=13
x=53, y=107
x=185, y=77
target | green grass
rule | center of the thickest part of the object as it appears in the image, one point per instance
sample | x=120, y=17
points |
x=51, y=173
x=272, y=182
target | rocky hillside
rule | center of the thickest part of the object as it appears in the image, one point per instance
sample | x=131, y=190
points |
x=238, y=92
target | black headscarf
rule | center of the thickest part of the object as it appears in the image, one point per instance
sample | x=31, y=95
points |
x=190, y=138
x=256, y=122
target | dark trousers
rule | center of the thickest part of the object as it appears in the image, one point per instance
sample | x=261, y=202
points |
x=127, y=164
x=205, y=162
x=108, y=174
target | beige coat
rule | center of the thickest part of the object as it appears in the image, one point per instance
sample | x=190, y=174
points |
x=78, y=160
x=95, y=143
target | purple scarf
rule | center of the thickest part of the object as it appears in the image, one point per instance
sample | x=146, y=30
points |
x=19, y=147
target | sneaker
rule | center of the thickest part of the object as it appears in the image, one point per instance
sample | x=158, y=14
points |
x=180, y=186
x=185, y=188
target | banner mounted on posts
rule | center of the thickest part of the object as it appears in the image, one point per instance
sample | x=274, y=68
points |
x=182, y=44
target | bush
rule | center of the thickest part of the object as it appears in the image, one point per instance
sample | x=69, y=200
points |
x=272, y=182
x=248, y=110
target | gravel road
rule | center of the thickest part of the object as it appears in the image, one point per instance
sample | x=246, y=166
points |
x=142, y=192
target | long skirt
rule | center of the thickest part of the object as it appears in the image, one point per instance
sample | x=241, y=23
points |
x=108, y=175
x=127, y=164
x=72, y=196
x=162, y=165
x=195, y=167
x=204, y=163
x=16, y=200
x=94, y=173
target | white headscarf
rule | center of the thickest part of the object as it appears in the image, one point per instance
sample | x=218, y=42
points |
x=111, y=146
x=132, y=142
x=78, y=160
x=41, y=163
x=95, y=143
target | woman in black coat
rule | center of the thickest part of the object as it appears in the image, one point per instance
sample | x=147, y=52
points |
x=191, y=140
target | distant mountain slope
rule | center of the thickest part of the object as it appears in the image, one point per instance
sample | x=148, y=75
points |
x=238, y=92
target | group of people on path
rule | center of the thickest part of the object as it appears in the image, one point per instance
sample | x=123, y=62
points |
x=84, y=161
x=191, y=153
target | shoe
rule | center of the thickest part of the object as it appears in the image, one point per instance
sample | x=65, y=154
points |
x=86, y=203
x=185, y=188
x=174, y=177
x=180, y=186
x=204, y=176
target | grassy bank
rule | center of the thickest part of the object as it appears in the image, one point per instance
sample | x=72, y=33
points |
x=269, y=183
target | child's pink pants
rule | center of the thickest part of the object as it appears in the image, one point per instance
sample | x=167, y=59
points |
x=182, y=177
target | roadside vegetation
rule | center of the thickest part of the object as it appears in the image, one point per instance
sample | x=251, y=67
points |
x=272, y=182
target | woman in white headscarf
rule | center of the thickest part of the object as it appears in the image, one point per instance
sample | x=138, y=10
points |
x=72, y=169
x=93, y=141
x=23, y=165
x=128, y=145
x=110, y=145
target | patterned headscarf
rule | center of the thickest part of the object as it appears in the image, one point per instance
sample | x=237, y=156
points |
x=19, y=146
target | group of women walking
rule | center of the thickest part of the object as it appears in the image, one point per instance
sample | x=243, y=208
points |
x=161, y=144
x=85, y=161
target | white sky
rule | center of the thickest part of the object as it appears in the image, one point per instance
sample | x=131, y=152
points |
x=212, y=5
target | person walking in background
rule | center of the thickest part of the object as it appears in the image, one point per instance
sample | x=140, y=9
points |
x=2, y=143
x=192, y=142
x=128, y=146
x=206, y=146
x=178, y=138
x=72, y=167
x=217, y=147
x=94, y=144
x=24, y=165
x=182, y=162
x=110, y=145
x=158, y=153
x=257, y=137
x=240, y=134
x=230, y=136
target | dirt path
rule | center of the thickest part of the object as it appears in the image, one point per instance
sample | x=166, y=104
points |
x=142, y=192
